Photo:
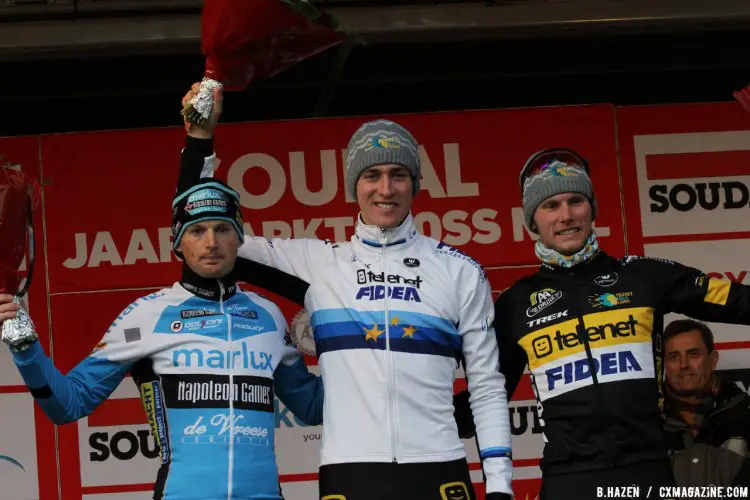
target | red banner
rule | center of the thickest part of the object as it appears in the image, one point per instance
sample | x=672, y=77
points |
x=113, y=231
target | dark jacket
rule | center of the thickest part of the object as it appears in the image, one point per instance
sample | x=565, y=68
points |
x=718, y=453
x=591, y=336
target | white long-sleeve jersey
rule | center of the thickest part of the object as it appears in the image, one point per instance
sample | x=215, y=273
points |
x=392, y=312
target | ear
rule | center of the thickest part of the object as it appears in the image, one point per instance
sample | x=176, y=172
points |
x=714, y=358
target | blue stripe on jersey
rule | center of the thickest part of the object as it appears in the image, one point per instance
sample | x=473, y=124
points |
x=203, y=317
x=497, y=451
x=402, y=337
x=417, y=320
x=201, y=436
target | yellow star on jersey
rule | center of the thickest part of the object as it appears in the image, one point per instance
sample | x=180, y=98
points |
x=394, y=321
x=409, y=331
x=373, y=333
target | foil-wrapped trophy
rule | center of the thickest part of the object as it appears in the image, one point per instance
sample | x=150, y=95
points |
x=17, y=198
x=244, y=40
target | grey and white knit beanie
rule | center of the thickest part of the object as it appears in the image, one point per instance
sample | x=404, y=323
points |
x=381, y=142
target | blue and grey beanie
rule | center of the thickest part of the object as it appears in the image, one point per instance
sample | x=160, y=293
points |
x=207, y=199
x=381, y=142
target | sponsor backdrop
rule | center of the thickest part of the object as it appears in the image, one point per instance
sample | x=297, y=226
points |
x=671, y=181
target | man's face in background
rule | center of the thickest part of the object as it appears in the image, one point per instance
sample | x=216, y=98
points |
x=689, y=365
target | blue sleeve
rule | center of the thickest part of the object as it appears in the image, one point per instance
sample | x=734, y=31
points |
x=300, y=391
x=66, y=398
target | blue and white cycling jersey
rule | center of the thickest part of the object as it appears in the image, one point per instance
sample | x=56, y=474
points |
x=205, y=363
x=391, y=313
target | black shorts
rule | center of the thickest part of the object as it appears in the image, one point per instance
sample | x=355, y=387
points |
x=586, y=485
x=388, y=481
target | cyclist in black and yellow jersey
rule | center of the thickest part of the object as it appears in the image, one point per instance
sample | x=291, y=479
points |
x=589, y=327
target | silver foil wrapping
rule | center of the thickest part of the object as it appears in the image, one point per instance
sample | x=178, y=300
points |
x=203, y=101
x=19, y=333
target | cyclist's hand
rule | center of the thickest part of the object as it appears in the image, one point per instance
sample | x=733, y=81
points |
x=207, y=130
x=8, y=310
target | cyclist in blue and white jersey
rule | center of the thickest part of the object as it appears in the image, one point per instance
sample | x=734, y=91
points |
x=206, y=356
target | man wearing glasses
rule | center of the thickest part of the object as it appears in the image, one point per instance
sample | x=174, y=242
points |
x=589, y=327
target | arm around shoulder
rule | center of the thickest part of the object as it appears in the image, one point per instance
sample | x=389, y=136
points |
x=689, y=291
x=300, y=391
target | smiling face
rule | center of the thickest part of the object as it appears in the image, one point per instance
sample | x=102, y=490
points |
x=564, y=222
x=542, y=346
x=454, y=491
x=384, y=194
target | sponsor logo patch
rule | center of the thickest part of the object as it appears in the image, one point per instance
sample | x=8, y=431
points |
x=456, y=490
x=547, y=319
x=603, y=329
x=606, y=280
x=610, y=299
x=411, y=262
x=541, y=300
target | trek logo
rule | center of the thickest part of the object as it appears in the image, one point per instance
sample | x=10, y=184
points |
x=545, y=345
x=606, y=280
x=542, y=299
x=610, y=299
x=609, y=363
x=222, y=359
x=547, y=319
x=403, y=289
x=684, y=197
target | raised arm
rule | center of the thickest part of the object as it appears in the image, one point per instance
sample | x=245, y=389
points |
x=259, y=259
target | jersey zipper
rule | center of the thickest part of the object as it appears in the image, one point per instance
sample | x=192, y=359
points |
x=601, y=410
x=391, y=389
x=230, y=475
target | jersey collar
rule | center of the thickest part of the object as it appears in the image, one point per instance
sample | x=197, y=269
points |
x=598, y=262
x=400, y=236
x=208, y=288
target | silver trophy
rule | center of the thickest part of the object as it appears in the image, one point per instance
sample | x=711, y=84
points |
x=19, y=333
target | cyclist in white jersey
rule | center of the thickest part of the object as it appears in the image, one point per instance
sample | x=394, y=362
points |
x=392, y=313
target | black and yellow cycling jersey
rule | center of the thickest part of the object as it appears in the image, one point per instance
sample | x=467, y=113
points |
x=591, y=336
